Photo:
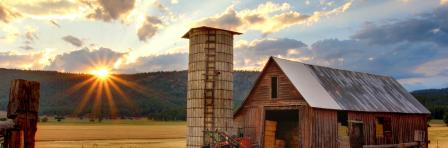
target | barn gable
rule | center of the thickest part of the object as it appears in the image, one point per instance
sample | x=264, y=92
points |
x=260, y=92
x=328, y=88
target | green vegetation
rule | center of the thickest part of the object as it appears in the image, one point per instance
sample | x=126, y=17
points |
x=435, y=100
x=445, y=118
x=158, y=96
x=135, y=121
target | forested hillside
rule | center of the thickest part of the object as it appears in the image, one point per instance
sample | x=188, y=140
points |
x=436, y=100
x=158, y=95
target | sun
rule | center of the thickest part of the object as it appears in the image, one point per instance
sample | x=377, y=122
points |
x=101, y=73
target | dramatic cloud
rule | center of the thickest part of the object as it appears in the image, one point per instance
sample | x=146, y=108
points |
x=413, y=50
x=108, y=10
x=6, y=14
x=432, y=27
x=73, y=40
x=267, y=18
x=254, y=54
x=149, y=28
x=84, y=60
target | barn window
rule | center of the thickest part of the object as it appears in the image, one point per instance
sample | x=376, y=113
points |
x=383, y=126
x=274, y=87
x=343, y=118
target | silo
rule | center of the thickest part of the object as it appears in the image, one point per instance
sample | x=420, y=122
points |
x=210, y=83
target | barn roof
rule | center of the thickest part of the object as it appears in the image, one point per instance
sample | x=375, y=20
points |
x=329, y=88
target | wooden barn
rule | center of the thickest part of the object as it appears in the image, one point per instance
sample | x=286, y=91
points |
x=293, y=104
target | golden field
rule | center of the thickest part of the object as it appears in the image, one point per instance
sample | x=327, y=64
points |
x=144, y=133
x=111, y=133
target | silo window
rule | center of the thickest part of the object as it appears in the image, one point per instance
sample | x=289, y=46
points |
x=274, y=87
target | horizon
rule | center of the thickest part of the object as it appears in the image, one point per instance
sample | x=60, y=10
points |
x=130, y=37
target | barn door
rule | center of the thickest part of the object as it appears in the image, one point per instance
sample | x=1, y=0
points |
x=356, y=134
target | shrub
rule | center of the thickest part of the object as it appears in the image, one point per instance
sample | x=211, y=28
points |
x=59, y=118
x=445, y=118
x=44, y=119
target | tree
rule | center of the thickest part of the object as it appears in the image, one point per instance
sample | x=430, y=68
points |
x=59, y=118
x=445, y=118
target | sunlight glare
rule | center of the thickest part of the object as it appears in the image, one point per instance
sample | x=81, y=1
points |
x=101, y=73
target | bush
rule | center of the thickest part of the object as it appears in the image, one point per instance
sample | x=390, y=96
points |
x=44, y=119
x=445, y=118
x=59, y=118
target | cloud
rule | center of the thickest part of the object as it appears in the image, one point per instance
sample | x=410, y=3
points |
x=254, y=54
x=22, y=61
x=443, y=2
x=413, y=50
x=84, y=60
x=73, y=40
x=429, y=27
x=29, y=36
x=149, y=28
x=108, y=10
x=434, y=67
x=26, y=47
x=267, y=18
x=54, y=23
x=167, y=62
x=45, y=7
x=6, y=14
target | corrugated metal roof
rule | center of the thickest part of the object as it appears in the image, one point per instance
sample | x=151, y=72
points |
x=329, y=88
x=306, y=83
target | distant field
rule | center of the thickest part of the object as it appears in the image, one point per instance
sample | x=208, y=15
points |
x=438, y=134
x=117, y=133
x=144, y=133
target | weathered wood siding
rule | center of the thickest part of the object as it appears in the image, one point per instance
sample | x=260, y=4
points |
x=403, y=126
x=318, y=127
x=252, y=115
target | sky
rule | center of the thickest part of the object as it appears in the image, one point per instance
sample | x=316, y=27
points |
x=405, y=39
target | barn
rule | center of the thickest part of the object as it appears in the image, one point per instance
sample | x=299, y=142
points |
x=293, y=104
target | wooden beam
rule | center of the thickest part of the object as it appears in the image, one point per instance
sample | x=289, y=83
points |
x=409, y=144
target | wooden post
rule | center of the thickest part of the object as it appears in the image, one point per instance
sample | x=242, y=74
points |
x=23, y=109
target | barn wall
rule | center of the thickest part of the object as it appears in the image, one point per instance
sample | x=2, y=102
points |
x=403, y=126
x=251, y=117
x=318, y=127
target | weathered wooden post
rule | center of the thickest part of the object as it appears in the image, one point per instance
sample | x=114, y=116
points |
x=23, y=109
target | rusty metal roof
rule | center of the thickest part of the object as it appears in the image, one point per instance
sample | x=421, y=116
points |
x=329, y=88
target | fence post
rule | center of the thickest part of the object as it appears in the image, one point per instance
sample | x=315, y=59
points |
x=23, y=109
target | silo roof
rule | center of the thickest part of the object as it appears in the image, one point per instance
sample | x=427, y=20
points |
x=186, y=35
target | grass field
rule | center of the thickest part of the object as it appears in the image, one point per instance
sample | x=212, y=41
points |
x=110, y=133
x=438, y=134
x=144, y=133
